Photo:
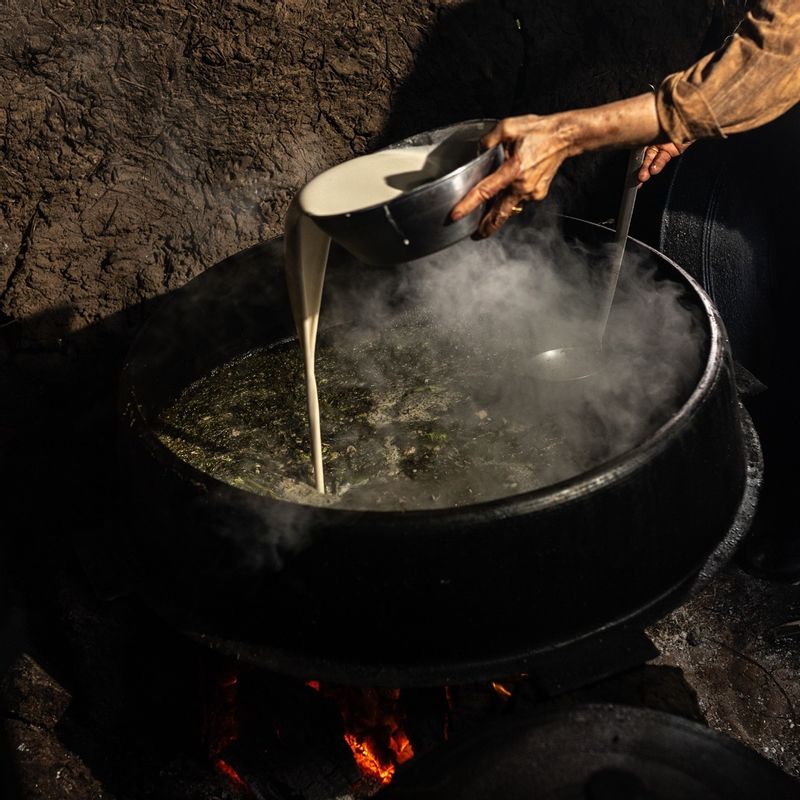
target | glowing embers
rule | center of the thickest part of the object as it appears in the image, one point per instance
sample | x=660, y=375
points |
x=503, y=689
x=368, y=760
x=224, y=768
x=221, y=726
x=374, y=732
x=269, y=735
x=274, y=736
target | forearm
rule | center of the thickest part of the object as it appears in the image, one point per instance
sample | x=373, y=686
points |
x=766, y=49
x=624, y=123
x=753, y=78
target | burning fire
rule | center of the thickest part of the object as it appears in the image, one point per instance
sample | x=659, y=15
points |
x=503, y=690
x=222, y=728
x=368, y=760
x=373, y=721
x=374, y=726
x=373, y=729
x=224, y=768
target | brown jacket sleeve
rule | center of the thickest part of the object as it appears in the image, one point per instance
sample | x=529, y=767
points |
x=753, y=78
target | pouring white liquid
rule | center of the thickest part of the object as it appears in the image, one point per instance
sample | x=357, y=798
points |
x=348, y=187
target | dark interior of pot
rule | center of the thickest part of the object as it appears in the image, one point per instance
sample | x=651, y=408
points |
x=472, y=510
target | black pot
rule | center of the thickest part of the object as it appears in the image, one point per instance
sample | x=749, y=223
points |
x=411, y=597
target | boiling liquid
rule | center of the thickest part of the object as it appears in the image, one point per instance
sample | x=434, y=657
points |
x=357, y=184
x=421, y=411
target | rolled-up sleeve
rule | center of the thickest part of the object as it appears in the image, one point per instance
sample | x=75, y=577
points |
x=753, y=78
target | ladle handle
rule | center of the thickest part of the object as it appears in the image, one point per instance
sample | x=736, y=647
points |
x=628, y=200
x=623, y=226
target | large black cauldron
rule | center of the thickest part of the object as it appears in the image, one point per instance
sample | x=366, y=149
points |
x=411, y=597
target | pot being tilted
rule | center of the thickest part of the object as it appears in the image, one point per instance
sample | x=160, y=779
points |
x=415, y=597
x=417, y=223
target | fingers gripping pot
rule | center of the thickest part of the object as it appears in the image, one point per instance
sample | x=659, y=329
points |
x=417, y=222
x=414, y=597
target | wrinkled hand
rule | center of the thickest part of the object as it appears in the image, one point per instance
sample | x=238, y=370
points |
x=656, y=157
x=535, y=148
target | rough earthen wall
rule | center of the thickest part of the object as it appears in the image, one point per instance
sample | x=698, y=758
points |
x=142, y=142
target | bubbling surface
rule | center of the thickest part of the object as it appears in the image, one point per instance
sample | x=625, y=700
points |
x=414, y=418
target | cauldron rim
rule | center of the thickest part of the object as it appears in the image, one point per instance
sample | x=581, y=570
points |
x=551, y=496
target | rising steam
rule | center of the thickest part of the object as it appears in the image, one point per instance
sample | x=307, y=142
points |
x=444, y=347
x=510, y=298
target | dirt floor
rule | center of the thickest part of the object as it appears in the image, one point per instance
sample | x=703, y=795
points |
x=737, y=646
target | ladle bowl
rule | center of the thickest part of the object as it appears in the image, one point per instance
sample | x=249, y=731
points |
x=568, y=363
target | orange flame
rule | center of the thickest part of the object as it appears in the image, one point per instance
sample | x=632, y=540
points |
x=368, y=760
x=502, y=689
x=224, y=768
x=373, y=728
x=400, y=745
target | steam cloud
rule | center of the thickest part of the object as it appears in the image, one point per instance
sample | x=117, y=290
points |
x=490, y=306
x=444, y=348
x=517, y=295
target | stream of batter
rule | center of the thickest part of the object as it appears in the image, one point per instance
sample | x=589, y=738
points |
x=348, y=187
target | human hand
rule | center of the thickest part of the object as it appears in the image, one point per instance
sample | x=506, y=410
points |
x=656, y=157
x=535, y=148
